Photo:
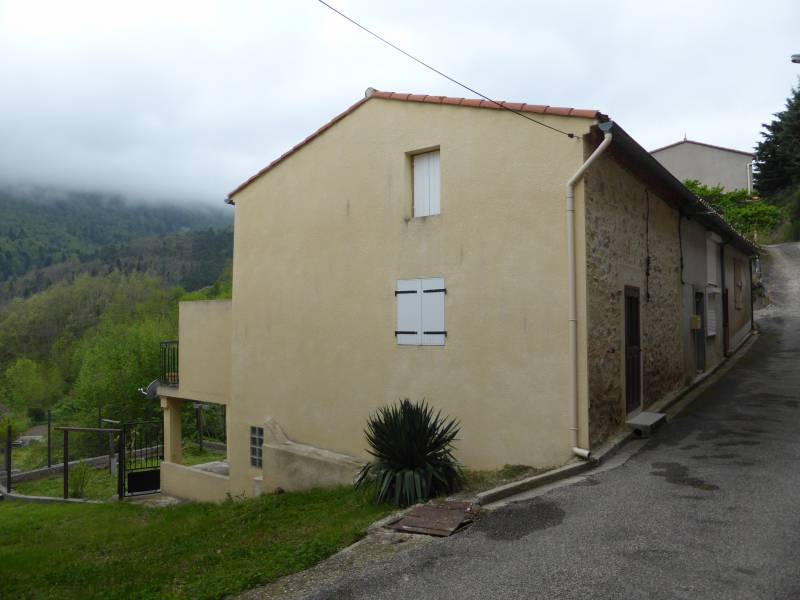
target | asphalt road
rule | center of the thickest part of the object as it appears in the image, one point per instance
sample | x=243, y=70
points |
x=707, y=509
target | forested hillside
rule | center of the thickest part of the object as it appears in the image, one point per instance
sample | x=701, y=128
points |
x=47, y=236
x=89, y=286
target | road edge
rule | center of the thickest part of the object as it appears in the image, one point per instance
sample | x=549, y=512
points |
x=672, y=405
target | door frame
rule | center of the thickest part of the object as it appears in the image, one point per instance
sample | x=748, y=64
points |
x=632, y=292
x=699, y=308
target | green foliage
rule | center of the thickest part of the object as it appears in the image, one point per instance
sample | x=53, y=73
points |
x=222, y=289
x=91, y=344
x=43, y=326
x=413, y=451
x=79, y=477
x=777, y=164
x=34, y=455
x=117, y=359
x=90, y=338
x=17, y=427
x=198, y=551
x=31, y=387
x=745, y=213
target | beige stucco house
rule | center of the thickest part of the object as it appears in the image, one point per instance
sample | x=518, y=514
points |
x=710, y=165
x=538, y=283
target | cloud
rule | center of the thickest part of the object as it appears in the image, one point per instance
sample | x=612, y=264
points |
x=187, y=99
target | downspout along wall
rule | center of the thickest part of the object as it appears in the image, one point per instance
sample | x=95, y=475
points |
x=625, y=222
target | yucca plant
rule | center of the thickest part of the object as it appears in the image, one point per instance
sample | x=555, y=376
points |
x=413, y=451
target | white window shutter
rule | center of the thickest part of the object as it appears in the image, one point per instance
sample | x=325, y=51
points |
x=432, y=312
x=434, y=184
x=421, y=185
x=712, y=251
x=408, y=331
x=711, y=315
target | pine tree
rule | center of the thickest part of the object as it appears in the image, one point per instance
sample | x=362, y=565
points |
x=777, y=164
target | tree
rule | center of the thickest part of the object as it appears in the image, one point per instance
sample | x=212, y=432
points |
x=28, y=387
x=746, y=214
x=777, y=163
x=117, y=360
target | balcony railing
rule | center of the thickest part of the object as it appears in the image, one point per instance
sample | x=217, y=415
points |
x=169, y=363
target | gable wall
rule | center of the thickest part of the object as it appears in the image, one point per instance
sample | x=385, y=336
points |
x=709, y=166
x=321, y=240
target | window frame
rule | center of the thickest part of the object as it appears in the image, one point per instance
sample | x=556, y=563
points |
x=417, y=209
x=256, y=446
x=420, y=312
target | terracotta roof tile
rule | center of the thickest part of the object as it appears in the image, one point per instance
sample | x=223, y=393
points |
x=583, y=113
x=469, y=102
x=536, y=108
x=558, y=110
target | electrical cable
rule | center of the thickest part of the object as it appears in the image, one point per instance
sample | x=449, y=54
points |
x=438, y=72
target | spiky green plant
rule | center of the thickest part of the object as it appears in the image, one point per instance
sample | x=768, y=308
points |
x=413, y=451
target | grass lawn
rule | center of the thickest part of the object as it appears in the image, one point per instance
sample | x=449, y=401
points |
x=120, y=550
x=102, y=485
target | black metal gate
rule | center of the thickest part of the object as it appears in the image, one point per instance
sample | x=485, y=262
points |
x=143, y=445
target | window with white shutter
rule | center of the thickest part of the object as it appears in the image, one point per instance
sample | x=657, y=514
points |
x=427, y=184
x=420, y=312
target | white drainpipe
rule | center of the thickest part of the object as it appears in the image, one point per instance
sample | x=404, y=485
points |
x=573, y=294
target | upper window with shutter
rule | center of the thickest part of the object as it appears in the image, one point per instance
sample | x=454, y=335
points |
x=420, y=312
x=711, y=314
x=712, y=258
x=427, y=185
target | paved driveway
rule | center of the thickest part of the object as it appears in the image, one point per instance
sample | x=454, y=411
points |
x=708, y=509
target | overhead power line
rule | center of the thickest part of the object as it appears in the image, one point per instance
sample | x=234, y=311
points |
x=438, y=72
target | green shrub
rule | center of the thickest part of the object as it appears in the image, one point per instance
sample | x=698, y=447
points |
x=743, y=211
x=17, y=427
x=413, y=451
x=79, y=477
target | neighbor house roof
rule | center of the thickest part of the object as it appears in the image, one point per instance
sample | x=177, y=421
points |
x=702, y=144
x=539, y=109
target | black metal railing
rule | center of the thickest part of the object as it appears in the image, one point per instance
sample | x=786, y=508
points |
x=169, y=363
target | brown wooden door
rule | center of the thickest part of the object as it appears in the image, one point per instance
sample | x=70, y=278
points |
x=633, y=350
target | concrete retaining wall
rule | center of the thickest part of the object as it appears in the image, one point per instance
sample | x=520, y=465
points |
x=193, y=484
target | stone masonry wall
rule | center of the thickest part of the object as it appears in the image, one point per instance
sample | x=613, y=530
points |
x=620, y=229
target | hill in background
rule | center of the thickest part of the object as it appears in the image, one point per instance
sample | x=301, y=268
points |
x=48, y=236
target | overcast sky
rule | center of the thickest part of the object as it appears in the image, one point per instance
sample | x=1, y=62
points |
x=185, y=100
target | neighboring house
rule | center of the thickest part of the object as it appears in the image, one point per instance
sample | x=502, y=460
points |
x=710, y=165
x=418, y=247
